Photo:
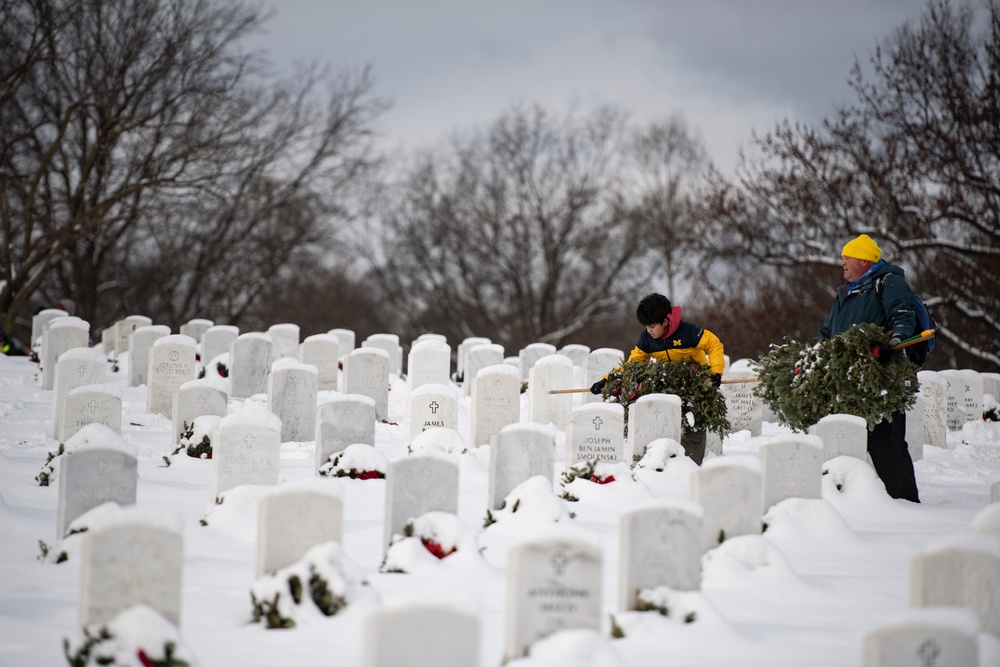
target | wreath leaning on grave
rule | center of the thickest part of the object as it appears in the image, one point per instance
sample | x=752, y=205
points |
x=690, y=381
x=804, y=382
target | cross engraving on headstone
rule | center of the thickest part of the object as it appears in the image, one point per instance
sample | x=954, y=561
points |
x=929, y=652
x=559, y=560
x=249, y=440
x=795, y=457
x=202, y=400
x=597, y=423
x=367, y=363
x=840, y=437
x=498, y=383
x=81, y=370
x=93, y=405
x=434, y=407
x=102, y=465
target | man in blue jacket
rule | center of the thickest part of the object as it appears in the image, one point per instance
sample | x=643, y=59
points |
x=890, y=306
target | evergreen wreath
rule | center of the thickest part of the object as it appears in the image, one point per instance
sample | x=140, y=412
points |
x=690, y=381
x=804, y=382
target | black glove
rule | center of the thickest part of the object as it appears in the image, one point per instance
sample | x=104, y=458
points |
x=597, y=387
x=917, y=353
x=887, y=352
x=716, y=380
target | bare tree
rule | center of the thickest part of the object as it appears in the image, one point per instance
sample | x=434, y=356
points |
x=666, y=161
x=142, y=126
x=515, y=234
x=913, y=161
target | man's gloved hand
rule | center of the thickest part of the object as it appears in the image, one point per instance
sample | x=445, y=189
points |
x=597, y=387
x=716, y=380
x=887, y=352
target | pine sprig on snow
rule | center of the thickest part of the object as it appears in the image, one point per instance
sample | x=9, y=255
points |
x=804, y=382
x=691, y=382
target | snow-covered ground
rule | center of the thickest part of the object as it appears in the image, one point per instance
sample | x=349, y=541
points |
x=825, y=573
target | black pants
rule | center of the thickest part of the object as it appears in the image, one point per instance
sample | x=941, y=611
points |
x=891, y=457
x=694, y=445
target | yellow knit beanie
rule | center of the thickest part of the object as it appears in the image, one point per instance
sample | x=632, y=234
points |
x=862, y=248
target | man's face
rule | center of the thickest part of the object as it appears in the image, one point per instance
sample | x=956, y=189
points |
x=657, y=331
x=854, y=268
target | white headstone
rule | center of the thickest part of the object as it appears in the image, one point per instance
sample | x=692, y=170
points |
x=496, y=402
x=430, y=406
x=295, y=517
x=90, y=404
x=250, y=357
x=915, y=428
x=995, y=492
x=744, y=410
x=286, y=340
x=171, y=364
x=197, y=398
x=346, y=338
x=730, y=492
x=217, y=340
x=426, y=634
x=991, y=384
x=549, y=373
x=429, y=362
x=124, y=330
x=924, y=637
x=517, y=453
x=416, y=485
x=246, y=450
x=576, y=352
x=62, y=334
x=97, y=467
x=323, y=352
x=596, y=431
x=659, y=545
x=139, y=345
x=196, y=327
x=553, y=584
x=599, y=363
x=389, y=343
x=77, y=367
x=973, y=395
x=40, y=322
x=792, y=468
x=650, y=418
x=463, y=351
x=955, y=398
x=291, y=395
x=531, y=353
x=934, y=391
x=478, y=358
x=345, y=420
x=366, y=372
x=108, y=342
x=842, y=435
x=136, y=559
x=960, y=570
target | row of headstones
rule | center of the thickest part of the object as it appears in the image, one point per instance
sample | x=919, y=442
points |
x=946, y=400
x=552, y=583
x=954, y=595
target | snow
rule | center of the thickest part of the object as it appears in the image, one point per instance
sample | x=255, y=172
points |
x=805, y=592
x=176, y=339
x=98, y=436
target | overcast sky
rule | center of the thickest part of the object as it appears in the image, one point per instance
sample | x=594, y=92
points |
x=727, y=66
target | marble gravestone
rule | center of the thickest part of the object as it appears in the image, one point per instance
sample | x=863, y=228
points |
x=97, y=467
x=348, y=419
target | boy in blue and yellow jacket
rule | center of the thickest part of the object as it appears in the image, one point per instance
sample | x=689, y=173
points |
x=669, y=338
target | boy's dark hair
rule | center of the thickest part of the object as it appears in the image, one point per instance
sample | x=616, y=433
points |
x=653, y=309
